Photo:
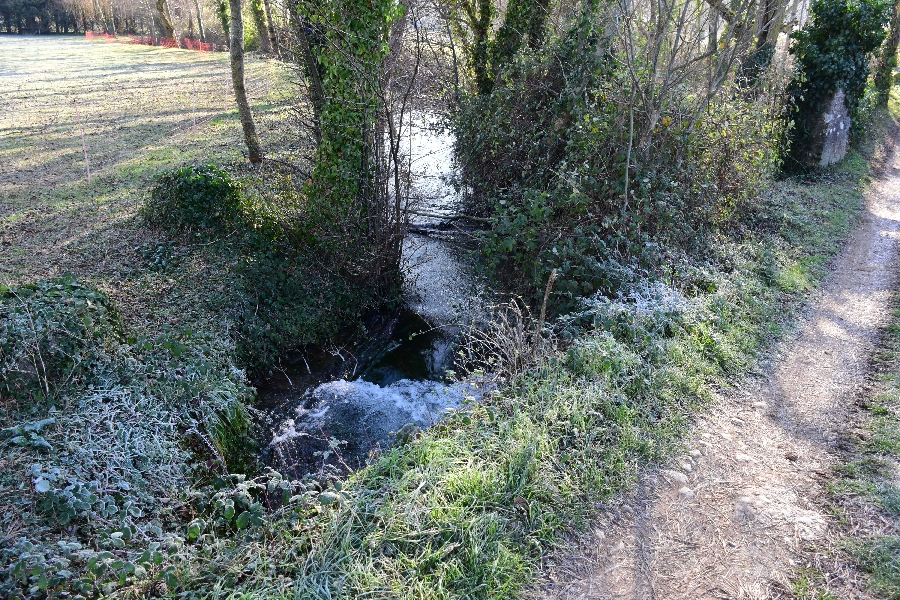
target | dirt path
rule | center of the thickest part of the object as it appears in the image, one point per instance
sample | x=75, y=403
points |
x=731, y=518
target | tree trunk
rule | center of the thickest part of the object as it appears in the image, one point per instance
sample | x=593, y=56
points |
x=99, y=19
x=479, y=16
x=224, y=19
x=200, y=28
x=111, y=29
x=311, y=66
x=768, y=26
x=162, y=9
x=273, y=38
x=259, y=19
x=237, y=78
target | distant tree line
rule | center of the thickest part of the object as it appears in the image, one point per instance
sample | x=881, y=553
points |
x=42, y=17
x=159, y=18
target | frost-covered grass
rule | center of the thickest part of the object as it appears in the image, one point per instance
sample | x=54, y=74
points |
x=135, y=491
x=468, y=508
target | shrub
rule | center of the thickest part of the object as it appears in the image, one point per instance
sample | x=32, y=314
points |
x=195, y=199
x=545, y=153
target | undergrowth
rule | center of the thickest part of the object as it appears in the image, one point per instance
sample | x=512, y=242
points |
x=134, y=477
x=103, y=435
x=278, y=290
x=467, y=508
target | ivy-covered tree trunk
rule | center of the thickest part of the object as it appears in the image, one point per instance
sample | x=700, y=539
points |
x=262, y=29
x=224, y=19
x=887, y=58
x=768, y=27
x=311, y=66
x=273, y=38
x=479, y=15
x=523, y=23
x=200, y=29
x=343, y=187
x=254, y=150
x=162, y=10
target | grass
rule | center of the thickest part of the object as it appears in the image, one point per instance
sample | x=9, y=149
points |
x=868, y=487
x=138, y=106
x=465, y=509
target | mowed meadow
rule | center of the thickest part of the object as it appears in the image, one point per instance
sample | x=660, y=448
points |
x=142, y=110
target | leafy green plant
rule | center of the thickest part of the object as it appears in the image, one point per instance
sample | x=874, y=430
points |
x=48, y=333
x=198, y=199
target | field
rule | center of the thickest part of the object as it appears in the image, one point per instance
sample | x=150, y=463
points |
x=142, y=110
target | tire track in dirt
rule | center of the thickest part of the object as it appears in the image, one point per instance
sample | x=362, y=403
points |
x=731, y=518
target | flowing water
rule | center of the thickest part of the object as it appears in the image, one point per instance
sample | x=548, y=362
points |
x=335, y=407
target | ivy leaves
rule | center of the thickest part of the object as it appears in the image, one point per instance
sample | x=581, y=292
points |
x=832, y=53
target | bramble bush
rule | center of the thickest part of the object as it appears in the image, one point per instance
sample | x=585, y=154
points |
x=544, y=155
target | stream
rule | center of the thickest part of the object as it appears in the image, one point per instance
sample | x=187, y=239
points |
x=335, y=408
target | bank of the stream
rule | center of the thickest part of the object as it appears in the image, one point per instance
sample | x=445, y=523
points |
x=467, y=508
x=126, y=484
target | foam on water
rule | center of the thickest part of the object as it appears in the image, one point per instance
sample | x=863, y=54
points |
x=362, y=416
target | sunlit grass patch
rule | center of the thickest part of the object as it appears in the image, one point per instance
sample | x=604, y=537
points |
x=880, y=558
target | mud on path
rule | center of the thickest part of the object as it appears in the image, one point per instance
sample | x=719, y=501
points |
x=732, y=517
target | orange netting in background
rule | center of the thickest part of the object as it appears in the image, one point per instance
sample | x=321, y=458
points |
x=148, y=40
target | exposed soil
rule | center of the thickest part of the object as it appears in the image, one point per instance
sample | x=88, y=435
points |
x=738, y=514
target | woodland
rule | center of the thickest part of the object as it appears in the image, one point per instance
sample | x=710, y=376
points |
x=635, y=193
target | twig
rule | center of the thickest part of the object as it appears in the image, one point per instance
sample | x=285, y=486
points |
x=447, y=217
x=550, y=281
x=87, y=164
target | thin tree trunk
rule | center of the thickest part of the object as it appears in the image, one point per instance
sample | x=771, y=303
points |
x=162, y=9
x=200, y=21
x=112, y=21
x=99, y=19
x=273, y=38
x=237, y=78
